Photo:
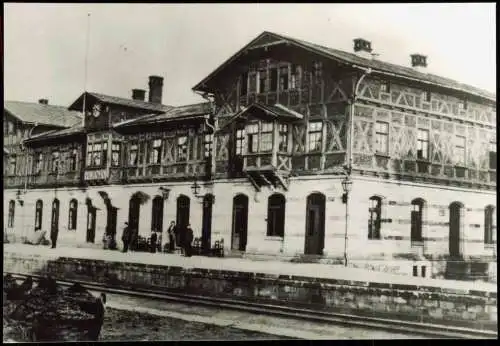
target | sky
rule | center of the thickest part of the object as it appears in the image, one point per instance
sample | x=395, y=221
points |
x=45, y=44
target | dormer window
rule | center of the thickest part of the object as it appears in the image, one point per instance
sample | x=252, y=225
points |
x=385, y=87
x=284, y=85
x=115, y=154
x=155, y=157
x=462, y=105
x=460, y=150
x=262, y=86
x=133, y=155
x=12, y=165
x=294, y=77
x=240, y=139
x=182, y=148
x=73, y=160
x=208, y=145
x=317, y=69
x=55, y=162
x=273, y=79
x=315, y=135
x=427, y=96
x=252, y=131
x=38, y=163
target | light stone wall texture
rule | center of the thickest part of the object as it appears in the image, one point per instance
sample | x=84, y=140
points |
x=397, y=197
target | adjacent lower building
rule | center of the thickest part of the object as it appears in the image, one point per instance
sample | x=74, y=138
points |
x=299, y=152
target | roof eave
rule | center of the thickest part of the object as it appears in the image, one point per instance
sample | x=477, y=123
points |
x=364, y=67
x=159, y=121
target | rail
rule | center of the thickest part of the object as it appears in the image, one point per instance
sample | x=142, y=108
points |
x=307, y=314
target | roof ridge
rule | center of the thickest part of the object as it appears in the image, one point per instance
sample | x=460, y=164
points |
x=127, y=99
x=306, y=42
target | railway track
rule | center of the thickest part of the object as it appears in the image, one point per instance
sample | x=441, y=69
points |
x=347, y=320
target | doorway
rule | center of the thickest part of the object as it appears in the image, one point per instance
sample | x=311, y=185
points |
x=315, y=224
x=91, y=214
x=54, y=223
x=111, y=224
x=183, y=206
x=134, y=210
x=240, y=223
x=456, y=221
x=206, y=232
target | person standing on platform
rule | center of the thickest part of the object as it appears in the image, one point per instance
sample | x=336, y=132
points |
x=188, y=240
x=133, y=238
x=154, y=237
x=126, y=237
x=182, y=235
x=172, y=234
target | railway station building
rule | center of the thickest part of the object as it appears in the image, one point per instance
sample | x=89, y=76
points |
x=289, y=134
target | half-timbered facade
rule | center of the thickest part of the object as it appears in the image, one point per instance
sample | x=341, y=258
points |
x=260, y=163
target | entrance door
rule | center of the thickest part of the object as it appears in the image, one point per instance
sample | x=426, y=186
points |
x=455, y=228
x=183, y=211
x=134, y=209
x=91, y=213
x=315, y=224
x=111, y=220
x=54, y=224
x=206, y=231
x=240, y=223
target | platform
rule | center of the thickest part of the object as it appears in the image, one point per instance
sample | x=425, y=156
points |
x=313, y=270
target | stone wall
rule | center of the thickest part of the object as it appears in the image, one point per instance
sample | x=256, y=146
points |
x=394, y=246
x=466, y=308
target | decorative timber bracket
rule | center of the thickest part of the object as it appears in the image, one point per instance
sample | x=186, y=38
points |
x=271, y=179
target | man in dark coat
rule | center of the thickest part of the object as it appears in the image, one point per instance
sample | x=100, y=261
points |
x=126, y=237
x=172, y=232
x=154, y=238
x=188, y=240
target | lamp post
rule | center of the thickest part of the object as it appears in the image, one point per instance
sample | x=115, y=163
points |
x=346, y=186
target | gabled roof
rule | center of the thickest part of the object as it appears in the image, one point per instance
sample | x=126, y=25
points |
x=29, y=112
x=5, y=151
x=57, y=133
x=276, y=111
x=269, y=38
x=191, y=111
x=154, y=107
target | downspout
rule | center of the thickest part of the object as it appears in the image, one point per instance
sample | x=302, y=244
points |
x=366, y=72
x=349, y=157
x=207, y=97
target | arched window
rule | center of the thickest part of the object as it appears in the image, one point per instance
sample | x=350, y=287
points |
x=38, y=214
x=276, y=215
x=456, y=228
x=489, y=225
x=417, y=212
x=12, y=209
x=73, y=211
x=157, y=214
x=374, y=221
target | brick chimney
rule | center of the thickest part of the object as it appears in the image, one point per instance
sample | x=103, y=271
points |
x=363, y=48
x=43, y=101
x=138, y=94
x=418, y=62
x=155, y=89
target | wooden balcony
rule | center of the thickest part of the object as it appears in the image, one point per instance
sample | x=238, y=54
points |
x=96, y=176
x=13, y=181
x=54, y=180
